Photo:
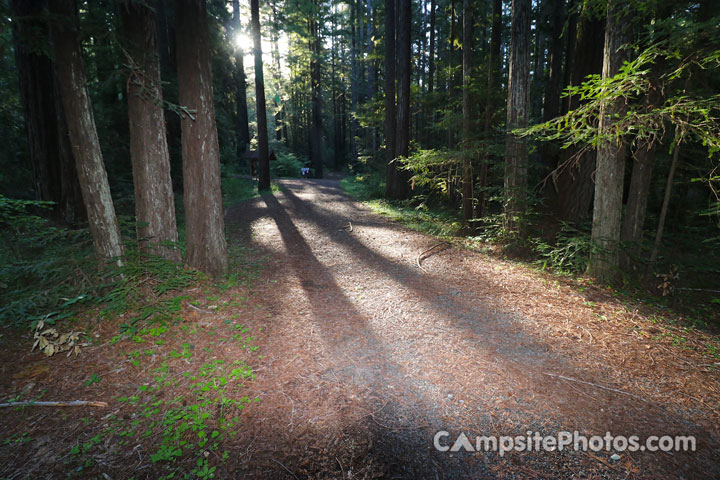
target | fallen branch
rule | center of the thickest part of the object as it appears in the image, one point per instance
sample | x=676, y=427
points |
x=198, y=308
x=700, y=290
x=286, y=468
x=419, y=258
x=570, y=379
x=74, y=403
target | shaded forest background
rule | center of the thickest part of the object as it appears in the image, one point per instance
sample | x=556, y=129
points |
x=425, y=105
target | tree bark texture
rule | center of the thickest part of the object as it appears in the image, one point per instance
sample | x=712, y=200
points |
x=516, y=153
x=390, y=118
x=400, y=188
x=261, y=112
x=467, y=173
x=431, y=52
x=242, y=129
x=316, y=153
x=206, y=247
x=610, y=169
x=82, y=133
x=154, y=199
x=54, y=175
x=492, y=75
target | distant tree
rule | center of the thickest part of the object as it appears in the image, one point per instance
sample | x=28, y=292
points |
x=316, y=154
x=516, y=154
x=398, y=186
x=242, y=129
x=468, y=124
x=154, y=200
x=206, y=247
x=261, y=112
x=492, y=75
x=431, y=49
x=83, y=135
x=390, y=118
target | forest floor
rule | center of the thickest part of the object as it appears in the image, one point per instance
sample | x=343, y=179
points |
x=365, y=339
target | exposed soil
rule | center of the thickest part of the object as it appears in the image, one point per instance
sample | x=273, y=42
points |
x=371, y=342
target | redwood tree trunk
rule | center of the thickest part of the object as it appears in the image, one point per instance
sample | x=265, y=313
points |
x=242, y=130
x=154, y=201
x=610, y=170
x=574, y=187
x=390, y=119
x=467, y=174
x=261, y=112
x=206, y=249
x=553, y=87
x=493, y=73
x=83, y=135
x=400, y=187
x=53, y=165
x=431, y=52
x=516, y=153
x=316, y=154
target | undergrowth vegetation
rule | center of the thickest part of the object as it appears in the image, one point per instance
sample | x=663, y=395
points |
x=188, y=373
x=187, y=404
x=679, y=279
x=414, y=213
x=49, y=272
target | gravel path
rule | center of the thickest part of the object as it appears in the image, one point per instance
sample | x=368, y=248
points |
x=365, y=357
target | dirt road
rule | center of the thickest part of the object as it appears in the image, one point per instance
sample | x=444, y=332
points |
x=366, y=356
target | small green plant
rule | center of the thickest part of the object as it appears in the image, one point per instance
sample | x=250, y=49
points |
x=94, y=378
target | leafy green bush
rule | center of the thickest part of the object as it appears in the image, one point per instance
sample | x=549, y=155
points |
x=569, y=254
x=286, y=165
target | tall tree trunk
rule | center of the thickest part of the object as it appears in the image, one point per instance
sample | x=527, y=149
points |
x=354, y=78
x=316, y=154
x=553, y=87
x=242, y=129
x=279, y=109
x=154, y=203
x=492, y=75
x=431, y=52
x=570, y=35
x=574, y=187
x=390, y=125
x=261, y=113
x=610, y=170
x=467, y=174
x=516, y=153
x=168, y=71
x=538, y=61
x=400, y=188
x=452, y=82
x=83, y=135
x=206, y=248
x=53, y=165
